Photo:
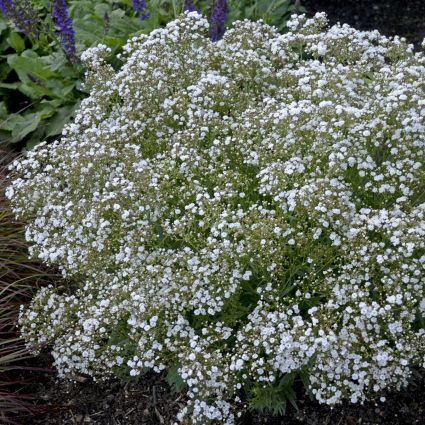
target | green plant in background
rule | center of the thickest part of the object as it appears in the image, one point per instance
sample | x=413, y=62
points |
x=273, y=12
x=40, y=89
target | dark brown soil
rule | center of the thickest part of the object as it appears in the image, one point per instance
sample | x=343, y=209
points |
x=405, y=18
x=149, y=401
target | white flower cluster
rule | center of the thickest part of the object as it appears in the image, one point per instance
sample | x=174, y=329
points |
x=243, y=209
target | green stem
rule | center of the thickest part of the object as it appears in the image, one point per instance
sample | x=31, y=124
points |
x=174, y=8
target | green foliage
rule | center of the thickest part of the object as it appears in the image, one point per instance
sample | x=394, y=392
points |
x=273, y=12
x=273, y=398
x=174, y=379
x=40, y=89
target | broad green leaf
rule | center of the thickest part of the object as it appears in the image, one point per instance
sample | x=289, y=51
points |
x=46, y=111
x=113, y=41
x=60, y=88
x=4, y=136
x=34, y=90
x=80, y=9
x=117, y=13
x=163, y=12
x=88, y=32
x=58, y=62
x=3, y=111
x=62, y=117
x=16, y=42
x=81, y=87
x=101, y=9
x=10, y=86
x=174, y=380
x=55, y=103
x=3, y=24
x=36, y=137
x=4, y=45
x=34, y=66
x=21, y=125
x=4, y=70
x=124, y=27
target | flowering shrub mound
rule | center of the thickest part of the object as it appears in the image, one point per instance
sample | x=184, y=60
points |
x=240, y=213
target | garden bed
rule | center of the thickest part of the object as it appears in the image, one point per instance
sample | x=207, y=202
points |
x=148, y=400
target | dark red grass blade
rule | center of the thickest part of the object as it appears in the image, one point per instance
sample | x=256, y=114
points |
x=20, y=277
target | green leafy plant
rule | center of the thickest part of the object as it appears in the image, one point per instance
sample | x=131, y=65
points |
x=174, y=380
x=40, y=89
x=273, y=12
x=273, y=398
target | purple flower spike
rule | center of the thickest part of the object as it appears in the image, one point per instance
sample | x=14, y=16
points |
x=4, y=5
x=220, y=12
x=66, y=29
x=23, y=15
x=141, y=8
x=189, y=5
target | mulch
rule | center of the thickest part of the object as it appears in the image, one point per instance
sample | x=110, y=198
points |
x=149, y=400
x=405, y=18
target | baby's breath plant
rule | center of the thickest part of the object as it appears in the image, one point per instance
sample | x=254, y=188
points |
x=242, y=213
